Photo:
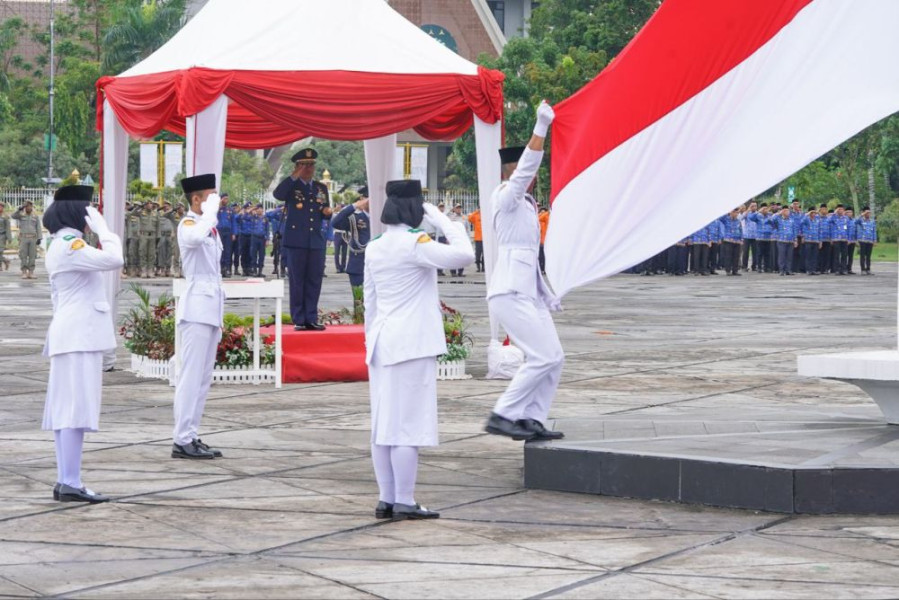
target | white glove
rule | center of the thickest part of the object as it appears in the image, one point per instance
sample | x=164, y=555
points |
x=210, y=207
x=435, y=215
x=545, y=116
x=97, y=223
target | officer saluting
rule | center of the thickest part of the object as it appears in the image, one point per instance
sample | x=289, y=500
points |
x=82, y=329
x=304, y=242
x=199, y=313
x=354, y=219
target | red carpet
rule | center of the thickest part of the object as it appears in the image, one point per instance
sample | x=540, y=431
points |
x=335, y=354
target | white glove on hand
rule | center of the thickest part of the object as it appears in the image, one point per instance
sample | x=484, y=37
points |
x=435, y=215
x=545, y=116
x=97, y=223
x=210, y=207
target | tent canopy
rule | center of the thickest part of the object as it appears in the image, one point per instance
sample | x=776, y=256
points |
x=336, y=69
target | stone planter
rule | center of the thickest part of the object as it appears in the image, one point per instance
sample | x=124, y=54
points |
x=451, y=370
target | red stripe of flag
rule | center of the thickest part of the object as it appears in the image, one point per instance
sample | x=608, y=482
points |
x=685, y=47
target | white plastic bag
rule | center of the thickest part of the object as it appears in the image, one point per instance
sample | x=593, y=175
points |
x=503, y=361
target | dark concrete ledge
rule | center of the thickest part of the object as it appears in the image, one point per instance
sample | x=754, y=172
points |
x=811, y=467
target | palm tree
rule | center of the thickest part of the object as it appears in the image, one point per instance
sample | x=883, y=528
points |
x=139, y=30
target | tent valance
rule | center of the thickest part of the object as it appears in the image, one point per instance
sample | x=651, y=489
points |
x=270, y=108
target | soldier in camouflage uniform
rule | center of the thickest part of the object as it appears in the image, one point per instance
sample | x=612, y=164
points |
x=29, y=236
x=132, y=235
x=5, y=237
x=176, y=250
x=149, y=229
x=167, y=226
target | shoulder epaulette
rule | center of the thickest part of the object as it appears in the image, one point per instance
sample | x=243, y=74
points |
x=188, y=221
x=413, y=230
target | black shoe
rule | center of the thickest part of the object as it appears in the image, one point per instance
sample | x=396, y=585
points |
x=540, y=432
x=314, y=327
x=498, y=425
x=68, y=493
x=440, y=273
x=191, y=450
x=384, y=510
x=275, y=272
x=401, y=512
x=216, y=453
x=737, y=274
x=301, y=327
x=56, y=491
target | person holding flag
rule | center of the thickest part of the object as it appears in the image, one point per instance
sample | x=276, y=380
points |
x=520, y=298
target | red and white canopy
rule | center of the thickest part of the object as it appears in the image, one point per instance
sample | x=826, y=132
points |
x=336, y=69
x=710, y=104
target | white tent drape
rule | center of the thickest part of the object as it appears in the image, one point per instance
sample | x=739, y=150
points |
x=380, y=156
x=488, y=138
x=115, y=174
x=206, y=140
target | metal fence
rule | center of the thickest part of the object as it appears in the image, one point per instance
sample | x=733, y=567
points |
x=13, y=198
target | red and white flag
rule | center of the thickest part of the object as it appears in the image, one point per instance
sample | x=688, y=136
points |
x=710, y=104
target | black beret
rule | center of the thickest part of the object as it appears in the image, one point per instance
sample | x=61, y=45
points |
x=404, y=188
x=84, y=193
x=198, y=183
x=510, y=155
x=304, y=154
x=363, y=191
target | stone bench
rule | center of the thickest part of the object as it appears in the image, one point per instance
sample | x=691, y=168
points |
x=877, y=373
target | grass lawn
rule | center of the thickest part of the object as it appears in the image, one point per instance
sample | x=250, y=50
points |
x=883, y=252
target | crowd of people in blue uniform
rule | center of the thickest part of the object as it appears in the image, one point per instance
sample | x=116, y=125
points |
x=784, y=239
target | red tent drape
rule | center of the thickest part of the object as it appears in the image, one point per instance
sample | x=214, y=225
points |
x=270, y=108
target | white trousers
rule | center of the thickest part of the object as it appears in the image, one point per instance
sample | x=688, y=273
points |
x=197, y=347
x=530, y=327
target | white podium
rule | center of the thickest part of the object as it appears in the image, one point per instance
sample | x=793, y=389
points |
x=257, y=289
x=877, y=373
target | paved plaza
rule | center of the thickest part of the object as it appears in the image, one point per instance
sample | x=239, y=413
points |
x=288, y=512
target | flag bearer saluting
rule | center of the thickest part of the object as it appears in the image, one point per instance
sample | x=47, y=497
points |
x=199, y=313
x=520, y=299
x=82, y=329
x=403, y=337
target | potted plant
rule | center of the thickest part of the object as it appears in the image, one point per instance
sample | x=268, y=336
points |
x=458, y=345
x=149, y=333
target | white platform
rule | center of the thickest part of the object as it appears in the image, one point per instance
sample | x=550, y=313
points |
x=876, y=373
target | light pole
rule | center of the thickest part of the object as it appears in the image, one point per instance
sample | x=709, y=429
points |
x=52, y=69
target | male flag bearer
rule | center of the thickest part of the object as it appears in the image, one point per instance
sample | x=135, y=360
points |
x=199, y=313
x=520, y=299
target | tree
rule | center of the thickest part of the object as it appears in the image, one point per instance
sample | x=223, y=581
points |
x=569, y=43
x=244, y=175
x=140, y=28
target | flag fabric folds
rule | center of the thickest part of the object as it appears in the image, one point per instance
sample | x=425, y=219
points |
x=710, y=104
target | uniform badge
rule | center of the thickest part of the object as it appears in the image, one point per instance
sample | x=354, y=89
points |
x=299, y=205
x=188, y=222
x=77, y=244
x=424, y=238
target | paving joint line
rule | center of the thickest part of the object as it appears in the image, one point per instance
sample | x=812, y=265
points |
x=628, y=569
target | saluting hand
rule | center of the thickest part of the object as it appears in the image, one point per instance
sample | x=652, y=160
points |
x=96, y=222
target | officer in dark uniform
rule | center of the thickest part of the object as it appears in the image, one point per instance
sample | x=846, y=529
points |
x=355, y=220
x=246, y=265
x=275, y=217
x=308, y=204
x=257, y=225
x=226, y=234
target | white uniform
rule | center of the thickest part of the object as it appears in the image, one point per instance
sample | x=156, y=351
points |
x=199, y=316
x=404, y=329
x=520, y=299
x=81, y=330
